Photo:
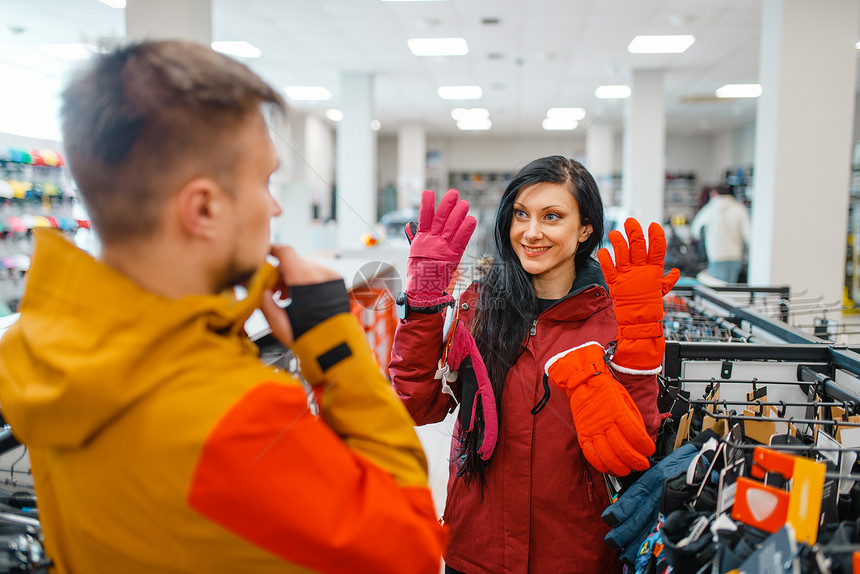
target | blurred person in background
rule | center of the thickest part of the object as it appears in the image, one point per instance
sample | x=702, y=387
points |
x=725, y=222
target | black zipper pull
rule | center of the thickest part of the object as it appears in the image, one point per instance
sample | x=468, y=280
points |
x=544, y=399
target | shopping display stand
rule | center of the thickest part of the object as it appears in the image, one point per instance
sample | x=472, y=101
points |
x=785, y=406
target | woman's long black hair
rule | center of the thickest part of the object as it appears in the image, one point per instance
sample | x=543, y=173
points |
x=508, y=304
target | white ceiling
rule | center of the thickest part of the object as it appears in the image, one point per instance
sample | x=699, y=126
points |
x=539, y=54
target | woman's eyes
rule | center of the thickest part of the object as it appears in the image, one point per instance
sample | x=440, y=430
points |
x=519, y=213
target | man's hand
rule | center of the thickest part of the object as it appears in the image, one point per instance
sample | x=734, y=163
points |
x=294, y=271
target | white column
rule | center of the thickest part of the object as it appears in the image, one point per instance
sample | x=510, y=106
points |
x=319, y=168
x=411, y=165
x=643, y=173
x=356, y=161
x=169, y=19
x=599, y=152
x=291, y=192
x=804, y=123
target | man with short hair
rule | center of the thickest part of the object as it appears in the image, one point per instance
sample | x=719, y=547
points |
x=159, y=441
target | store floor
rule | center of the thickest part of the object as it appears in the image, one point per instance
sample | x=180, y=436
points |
x=436, y=440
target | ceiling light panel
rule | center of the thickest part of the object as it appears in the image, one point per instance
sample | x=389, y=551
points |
x=470, y=113
x=438, y=46
x=574, y=114
x=114, y=3
x=475, y=124
x=738, y=91
x=460, y=92
x=559, y=124
x=307, y=93
x=616, y=92
x=334, y=114
x=660, y=44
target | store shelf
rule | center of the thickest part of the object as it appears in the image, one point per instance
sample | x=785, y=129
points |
x=852, y=252
x=680, y=194
x=35, y=191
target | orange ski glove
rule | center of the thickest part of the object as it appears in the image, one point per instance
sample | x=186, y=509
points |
x=637, y=286
x=608, y=424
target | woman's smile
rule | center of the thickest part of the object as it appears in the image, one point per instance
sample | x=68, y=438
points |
x=534, y=251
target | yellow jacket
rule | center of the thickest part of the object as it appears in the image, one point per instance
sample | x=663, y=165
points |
x=160, y=443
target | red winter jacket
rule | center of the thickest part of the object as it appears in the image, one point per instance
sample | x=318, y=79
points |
x=542, y=502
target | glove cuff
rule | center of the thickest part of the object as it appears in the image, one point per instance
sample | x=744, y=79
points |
x=587, y=349
x=629, y=371
x=428, y=301
x=590, y=361
x=426, y=304
x=639, y=356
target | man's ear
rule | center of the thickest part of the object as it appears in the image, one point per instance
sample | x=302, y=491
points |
x=201, y=203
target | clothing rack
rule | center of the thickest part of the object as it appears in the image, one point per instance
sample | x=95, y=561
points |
x=716, y=383
x=847, y=405
x=754, y=297
x=802, y=372
x=811, y=315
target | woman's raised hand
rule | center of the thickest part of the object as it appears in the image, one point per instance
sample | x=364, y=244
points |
x=436, y=247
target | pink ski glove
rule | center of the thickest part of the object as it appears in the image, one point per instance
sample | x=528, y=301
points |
x=477, y=391
x=436, y=249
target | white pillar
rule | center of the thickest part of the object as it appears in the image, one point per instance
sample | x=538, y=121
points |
x=319, y=168
x=293, y=225
x=643, y=175
x=356, y=161
x=599, y=152
x=169, y=19
x=804, y=123
x=411, y=165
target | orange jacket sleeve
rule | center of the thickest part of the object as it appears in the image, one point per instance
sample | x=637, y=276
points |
x=343, y=493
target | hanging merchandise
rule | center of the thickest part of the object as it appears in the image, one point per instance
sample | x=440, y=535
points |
x=633, y=515
x=762, y=435
x=35, y=191
x=769, y=508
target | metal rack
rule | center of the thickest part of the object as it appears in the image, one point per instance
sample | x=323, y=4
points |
x=754, y=350
x=830, y=321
